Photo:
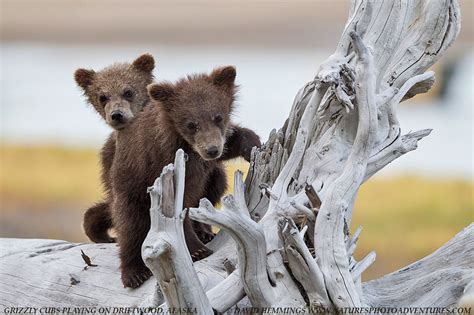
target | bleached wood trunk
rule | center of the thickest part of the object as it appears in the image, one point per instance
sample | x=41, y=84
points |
x=342, y=129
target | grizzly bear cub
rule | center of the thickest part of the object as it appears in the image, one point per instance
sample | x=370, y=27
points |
x=118, y=93
x=194, y=115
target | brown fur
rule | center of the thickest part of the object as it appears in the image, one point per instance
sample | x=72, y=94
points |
x=113, y=81
x=119, y=89
x=239, y=141
x=97, y=222
x=182, y=116
x=98, y=218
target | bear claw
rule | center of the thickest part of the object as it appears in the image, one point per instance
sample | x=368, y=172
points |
x=135, y=279
x=201, y=253
x=205, y=236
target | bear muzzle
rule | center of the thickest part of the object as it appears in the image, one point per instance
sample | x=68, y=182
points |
x=209, y=143
x=118, y=114
x=212, y=152
x=118, y=120
x=209, y=151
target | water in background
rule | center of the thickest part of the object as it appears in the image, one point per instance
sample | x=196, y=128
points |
x=40, y=101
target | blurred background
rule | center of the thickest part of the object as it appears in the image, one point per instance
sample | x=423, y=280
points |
x=49, y=167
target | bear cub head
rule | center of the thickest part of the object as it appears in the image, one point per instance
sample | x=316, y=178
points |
x=199, y=108
x=118, y=92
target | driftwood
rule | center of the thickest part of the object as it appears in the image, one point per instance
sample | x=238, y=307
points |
x=284, y=236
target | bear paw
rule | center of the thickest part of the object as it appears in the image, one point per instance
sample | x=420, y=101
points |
x=205, y=236
x=201, y=253
x=249, y=139
x=134, y=277
x=203, y=231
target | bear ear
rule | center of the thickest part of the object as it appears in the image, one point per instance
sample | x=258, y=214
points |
x=162, y=92
x=145, y=63
x=84, y=77
x=224, y=76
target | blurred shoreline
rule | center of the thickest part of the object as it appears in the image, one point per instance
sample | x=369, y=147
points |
x=202, y=22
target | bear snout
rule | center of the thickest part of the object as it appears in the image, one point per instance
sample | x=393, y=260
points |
x=212, y=152
x=117, y=116
x=209, y=144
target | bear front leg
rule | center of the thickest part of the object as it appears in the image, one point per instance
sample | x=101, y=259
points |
x=216, y=184
x=215, y=189
x=107, y=154
x=196, y=247
x=97, y=222
x=240, y=142
x=131, y=233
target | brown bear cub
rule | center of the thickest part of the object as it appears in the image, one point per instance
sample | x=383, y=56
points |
x=194, y=115
x=118, y=93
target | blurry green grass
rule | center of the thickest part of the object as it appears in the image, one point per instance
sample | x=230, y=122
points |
x=403, y=218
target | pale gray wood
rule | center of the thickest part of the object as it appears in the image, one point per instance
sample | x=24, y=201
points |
x=164, y=249
x=303, y=266
x=37, y=272
x=248, y=235
x=329, y=239
x=438, y=280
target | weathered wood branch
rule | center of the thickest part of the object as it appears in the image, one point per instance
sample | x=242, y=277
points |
x=164, y=249
x=40, y=272
x=303, y=265
x=438, y=280
x=250, y=239
x=329, y=231
x=299, y=194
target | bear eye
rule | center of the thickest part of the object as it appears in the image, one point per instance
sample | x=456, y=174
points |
x=218, y=119
x=103, y=99
x=128, y=94
x=192, y=126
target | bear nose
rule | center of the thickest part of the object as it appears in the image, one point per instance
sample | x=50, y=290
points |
x=212, y=152
x=117, y=116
